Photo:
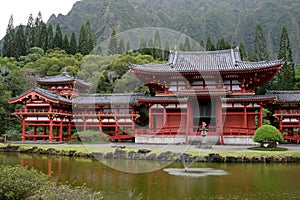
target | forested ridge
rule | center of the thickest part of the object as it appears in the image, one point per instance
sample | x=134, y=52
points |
x=235, y=20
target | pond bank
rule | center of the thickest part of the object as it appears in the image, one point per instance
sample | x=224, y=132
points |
x=214, y=153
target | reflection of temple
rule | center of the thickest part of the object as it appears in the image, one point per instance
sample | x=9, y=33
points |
x=193, y=87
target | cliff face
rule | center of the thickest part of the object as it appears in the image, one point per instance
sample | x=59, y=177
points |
x=235, y=20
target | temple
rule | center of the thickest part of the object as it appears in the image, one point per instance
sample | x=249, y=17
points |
x=196, y=94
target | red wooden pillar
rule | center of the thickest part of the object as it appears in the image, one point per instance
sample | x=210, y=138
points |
x=150, y=118
x=84, y=124
x=117, y=129
x=61, y=129
x=69, y=130
x=164, y=116
x=23, y=129
x=280, y=124
x=219, y=119
x=50, y=108
x=188, y=117
x=100, y=125
x=189, y=121
x=34, y=133
x=45, y=132
x=100, y=120
x=245, y=116
x=280, y=120
x=116, y=123
x=260, y=121
x=132, y=121
x=51, y=129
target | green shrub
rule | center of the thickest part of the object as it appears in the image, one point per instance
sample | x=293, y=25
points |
x=90, y=136
x=267, y=134
x=19, y=183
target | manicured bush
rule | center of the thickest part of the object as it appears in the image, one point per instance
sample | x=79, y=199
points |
x=267, y=134
x=90, y=136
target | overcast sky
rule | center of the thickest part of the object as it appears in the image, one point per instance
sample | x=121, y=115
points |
x=21, y=9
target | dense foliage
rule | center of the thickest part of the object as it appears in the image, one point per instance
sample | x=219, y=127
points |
x=18, y=182
x=18, y=41
x=235, y=20
x=267, y=134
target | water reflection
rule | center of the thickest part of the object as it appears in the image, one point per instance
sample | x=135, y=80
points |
x=244, y=181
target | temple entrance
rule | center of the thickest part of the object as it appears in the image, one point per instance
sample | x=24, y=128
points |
x=204, y=111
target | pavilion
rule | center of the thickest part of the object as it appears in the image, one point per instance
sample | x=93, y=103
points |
x=212, y=87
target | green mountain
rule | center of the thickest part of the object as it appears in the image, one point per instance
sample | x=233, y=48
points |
x=235, y=20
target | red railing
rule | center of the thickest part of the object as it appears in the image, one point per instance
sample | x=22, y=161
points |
x=237, y=131
x=195, y=130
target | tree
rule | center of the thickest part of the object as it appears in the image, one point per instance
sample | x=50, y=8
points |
x=210, y=45
x=91, y=39
x=82, y=41
x=151, y=47
x=43, y=36
x=20, y=45
x=286, y=76
x=29, y=33
x=222, y=44
x=58, y=38
x=121, y=48
x=267, y=136
x=113, y=44
x=65, y=44
x=73, y=44
x=243, y=51
x=260, y=45
x=187, y=45
x=9, y=43
x=50, y=37
x=37, y=31
x=260, y=54
x=143, y=45
x=157, y=46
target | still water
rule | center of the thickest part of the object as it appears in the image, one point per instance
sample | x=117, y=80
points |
x=242, y=181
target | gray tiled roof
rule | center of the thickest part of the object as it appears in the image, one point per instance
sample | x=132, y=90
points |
x=206, y=61
x=63, y=78
x=107, y=99
x=162, y=98
x=46, y=93
x=251, y=98
x=285, y=96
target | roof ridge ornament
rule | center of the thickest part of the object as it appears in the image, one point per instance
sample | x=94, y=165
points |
x=65, y=73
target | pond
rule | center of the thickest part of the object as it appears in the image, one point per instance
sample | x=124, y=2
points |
x=241, y=181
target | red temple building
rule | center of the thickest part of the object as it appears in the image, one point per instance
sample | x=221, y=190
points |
x=193, y=88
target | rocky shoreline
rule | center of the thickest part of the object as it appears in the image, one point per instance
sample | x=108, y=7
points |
x=145, y=154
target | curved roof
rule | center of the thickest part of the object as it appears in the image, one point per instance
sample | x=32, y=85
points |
x=51, y=96
x=107, y=99
x=206, y=61
x=62, y=78
x=285, y=96
x=249, y=98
